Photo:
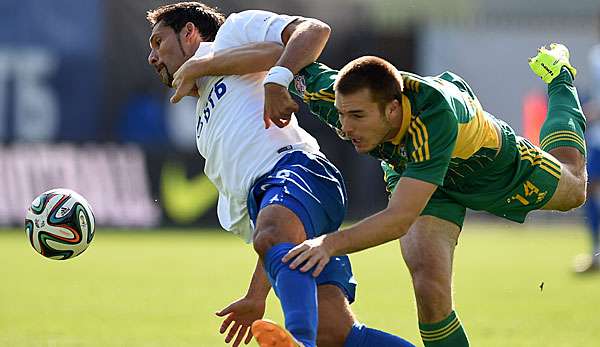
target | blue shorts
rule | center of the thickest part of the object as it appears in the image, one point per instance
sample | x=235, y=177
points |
x=311, y=187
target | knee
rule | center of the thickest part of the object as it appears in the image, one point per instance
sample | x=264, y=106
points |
x=430, y=289
x=276, y=224
x=431, y=279
x=576, y=198
x=578, y=192
x=263, y=240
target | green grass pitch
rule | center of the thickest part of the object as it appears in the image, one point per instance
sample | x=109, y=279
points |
x=149, y=289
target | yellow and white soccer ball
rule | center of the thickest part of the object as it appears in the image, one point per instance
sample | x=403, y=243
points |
x=60, y=224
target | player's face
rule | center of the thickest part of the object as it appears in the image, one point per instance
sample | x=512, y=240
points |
x=363, y=121
x=166, y=52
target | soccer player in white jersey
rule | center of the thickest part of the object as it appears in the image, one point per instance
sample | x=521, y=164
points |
x=275, y=188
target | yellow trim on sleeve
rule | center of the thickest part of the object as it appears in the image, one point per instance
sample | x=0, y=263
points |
x=326, y=93
x=320, y=95
x=418, y=131
x=426, y=135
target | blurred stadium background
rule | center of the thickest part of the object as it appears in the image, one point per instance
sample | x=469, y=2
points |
x=80, y=108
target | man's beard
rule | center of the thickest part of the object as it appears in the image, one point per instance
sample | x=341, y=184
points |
x=165, y=77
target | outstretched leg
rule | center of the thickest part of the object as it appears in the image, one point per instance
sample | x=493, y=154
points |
x=562, y=134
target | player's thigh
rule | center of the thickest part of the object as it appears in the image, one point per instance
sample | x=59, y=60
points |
x=335, y=316
x=570, y=191
x=428, y=248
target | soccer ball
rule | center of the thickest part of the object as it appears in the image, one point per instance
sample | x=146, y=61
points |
x=60, y=224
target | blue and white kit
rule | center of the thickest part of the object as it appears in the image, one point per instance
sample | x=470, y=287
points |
x=253, y=167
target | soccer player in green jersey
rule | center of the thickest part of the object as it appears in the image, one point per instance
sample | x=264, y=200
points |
x=441, y=154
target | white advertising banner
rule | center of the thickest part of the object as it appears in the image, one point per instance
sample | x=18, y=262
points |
x=113, y=178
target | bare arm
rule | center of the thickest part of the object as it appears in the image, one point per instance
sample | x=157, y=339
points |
x=407, y=203
x=259, y=284
x=304, y=40
x=250, y=58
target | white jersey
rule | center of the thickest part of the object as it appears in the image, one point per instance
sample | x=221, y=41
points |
x=230, y=131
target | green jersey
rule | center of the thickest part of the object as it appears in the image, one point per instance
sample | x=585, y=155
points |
x=446, y=139
x=445, y=135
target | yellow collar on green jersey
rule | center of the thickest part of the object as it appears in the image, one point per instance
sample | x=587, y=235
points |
x=406, y=117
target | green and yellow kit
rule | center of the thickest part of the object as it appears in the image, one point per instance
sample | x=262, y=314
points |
x=447, y=139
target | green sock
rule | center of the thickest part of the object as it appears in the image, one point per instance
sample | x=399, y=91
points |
x=447, y=333
x=565, y=122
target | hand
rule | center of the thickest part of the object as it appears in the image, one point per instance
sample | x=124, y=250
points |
x=314, y=252
x=242, y=313
x=279, y=105
x=184, y=81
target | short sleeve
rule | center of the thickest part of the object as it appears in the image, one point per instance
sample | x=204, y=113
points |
x=430, y=142
x=251, y=26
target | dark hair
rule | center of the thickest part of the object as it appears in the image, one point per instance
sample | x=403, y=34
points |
x=373, y=73
x=207, y=19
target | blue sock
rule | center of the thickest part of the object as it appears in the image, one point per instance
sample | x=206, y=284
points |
x=297, y=292
x=361, y=336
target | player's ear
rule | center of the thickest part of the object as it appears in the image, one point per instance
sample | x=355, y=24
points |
x=393, y=110
x=189, y=29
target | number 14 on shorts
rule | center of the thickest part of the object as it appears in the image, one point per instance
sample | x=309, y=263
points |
x=531, y=194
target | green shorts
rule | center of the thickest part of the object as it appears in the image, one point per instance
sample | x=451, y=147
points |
x=521, y=179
